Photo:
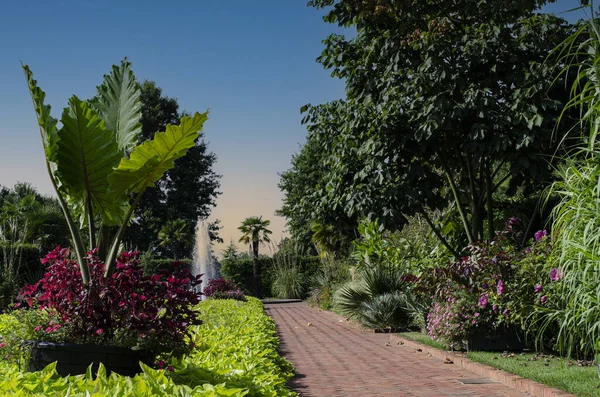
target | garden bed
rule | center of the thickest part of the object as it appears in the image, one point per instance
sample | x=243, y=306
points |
x=567, y=375
x=236, y=355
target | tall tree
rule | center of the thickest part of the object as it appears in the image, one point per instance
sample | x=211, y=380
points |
x=186, y=192
x=254, y=232
x=230, y=252
x=447, y=104
x=303, y=186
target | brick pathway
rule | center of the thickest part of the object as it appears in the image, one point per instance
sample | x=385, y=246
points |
x=334, y=358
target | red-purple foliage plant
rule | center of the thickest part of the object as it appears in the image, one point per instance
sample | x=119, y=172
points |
x=153, y=312
x=221, y=288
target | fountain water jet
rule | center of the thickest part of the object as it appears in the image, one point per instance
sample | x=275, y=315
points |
x=203, y=261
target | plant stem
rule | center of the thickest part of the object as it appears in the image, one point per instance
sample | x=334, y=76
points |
x=112, y=254
x=73, y=229
x=92, y=227
x=459, y=205
x=439, y=235
x=103, y=242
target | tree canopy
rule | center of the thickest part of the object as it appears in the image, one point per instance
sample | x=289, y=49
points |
x=186, y=192
x=449, y=105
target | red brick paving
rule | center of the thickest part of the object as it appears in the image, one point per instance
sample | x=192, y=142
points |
x=334, y=358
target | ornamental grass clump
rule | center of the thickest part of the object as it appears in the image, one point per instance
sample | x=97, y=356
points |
x=573, y=313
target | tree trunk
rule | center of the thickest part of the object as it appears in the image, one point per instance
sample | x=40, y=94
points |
x=474, y=203
x=256, y=269
x=490, y=202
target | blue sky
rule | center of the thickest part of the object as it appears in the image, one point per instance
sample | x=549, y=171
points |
x=251, y=62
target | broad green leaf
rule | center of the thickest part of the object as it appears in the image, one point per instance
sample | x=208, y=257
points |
x=50, y=138
x=87, y=154
x=118, y=104
x=46, y=122
x=148, y=162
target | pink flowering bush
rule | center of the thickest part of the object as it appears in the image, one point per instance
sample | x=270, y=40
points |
x=221, y=288
x=126, y=309
x=452, y=315
x=470, y=296
x=535, y=287
x=493, y=285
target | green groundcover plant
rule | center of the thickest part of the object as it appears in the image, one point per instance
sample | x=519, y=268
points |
x=235, y=355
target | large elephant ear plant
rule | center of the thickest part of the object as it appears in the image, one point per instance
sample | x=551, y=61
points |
x=96, y=164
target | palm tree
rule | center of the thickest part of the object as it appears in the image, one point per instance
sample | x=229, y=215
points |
x=255, y=232
x=176, y=237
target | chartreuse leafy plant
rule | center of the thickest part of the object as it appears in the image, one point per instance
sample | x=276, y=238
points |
x=96, y=164
x=236, y=356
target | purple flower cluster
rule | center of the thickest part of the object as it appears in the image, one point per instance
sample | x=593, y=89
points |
x=540, y=234
x=500, y=287
x=483, y=301
x=444, y=323
x=488, y=287
x=556, y=274
x=512, y=222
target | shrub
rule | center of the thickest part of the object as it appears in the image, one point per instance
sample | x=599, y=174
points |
x=19, y=263
x=127, y=308
x=379, y=299
x=494, y=285
x=239, y=271
x=472, y=293
x=236, y=356
x=288, y=278
x=288, y=282
x=534, y=288
x=221, y=288
x=152, y=264
x=325, y=281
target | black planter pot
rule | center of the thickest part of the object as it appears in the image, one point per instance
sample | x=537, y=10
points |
x=74, y=359
x=501, y=339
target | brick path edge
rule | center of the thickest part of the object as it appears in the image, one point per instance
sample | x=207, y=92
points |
x=516, y=382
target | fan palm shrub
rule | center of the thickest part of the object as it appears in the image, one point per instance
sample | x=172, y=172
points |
x=380, y=298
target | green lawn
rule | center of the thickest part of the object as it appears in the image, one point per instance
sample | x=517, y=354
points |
x=547, y=369
x=424, y=339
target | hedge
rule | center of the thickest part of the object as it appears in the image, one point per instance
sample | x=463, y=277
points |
x=155, y=264
x=236, y=355
x=240, y=271
x=30, y=257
